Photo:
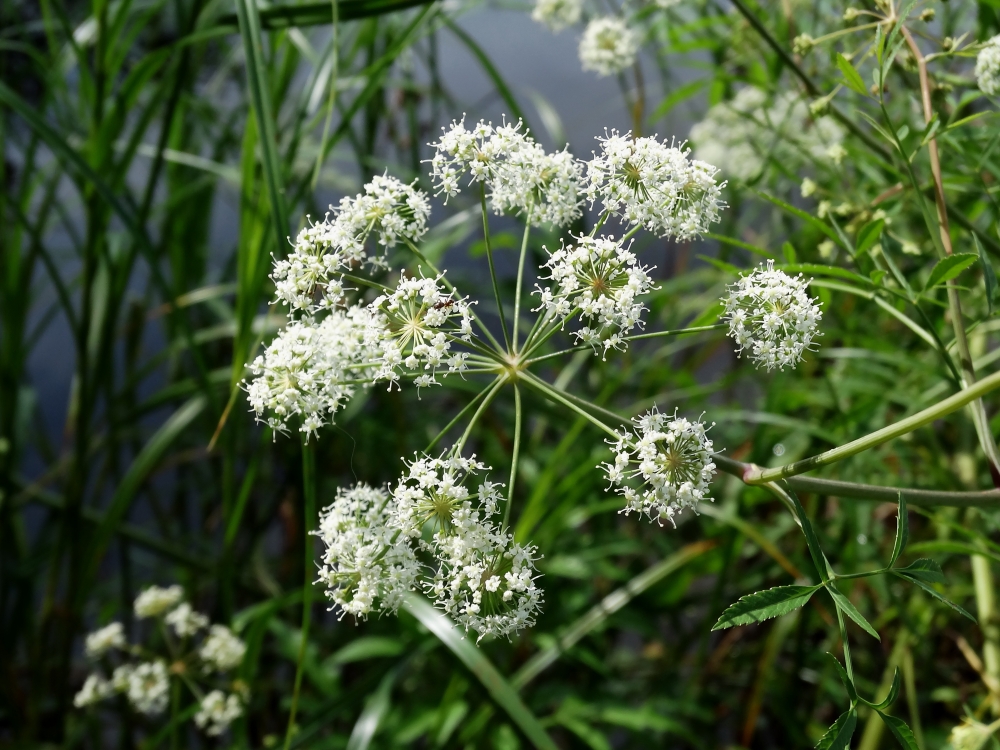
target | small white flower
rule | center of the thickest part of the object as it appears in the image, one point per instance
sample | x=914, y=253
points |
x=94, y=690
x=388, y=208
x=222, y=650
x=217, y=711
x=672, y=458
x=988, y=67
x=368, y=563
x=971, y=735
x=648, y=183
x=148, y=687
x=434, y=490
x=771, y=314
x=156, y=601
x=557, y=14
x=305, y=375
x=413, y=328
x=101, y=641
x=601, y=279
x=185, y=621
x=608, y=46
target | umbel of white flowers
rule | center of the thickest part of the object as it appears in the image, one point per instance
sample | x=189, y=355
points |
x=988, y=67
x=143, y=674
x=771, y=315
x=609, y=46
x=431, y=533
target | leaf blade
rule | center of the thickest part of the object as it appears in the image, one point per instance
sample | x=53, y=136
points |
x=764, y=605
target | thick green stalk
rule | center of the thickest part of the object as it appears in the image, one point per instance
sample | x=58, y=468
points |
x=308, y=523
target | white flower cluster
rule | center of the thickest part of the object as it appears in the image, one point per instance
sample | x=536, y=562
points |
x=430, y=532
x=412, y=328
x=557, y=14
x=520, y=176
x=308, y=371
x=146, y=682
x=368, y=562
x=308, y=279
x=672, y=458
x=608, y=46
x=749, y=132
x=771, y=314
x=988, y=67
x=601, y=278
x=654, y=185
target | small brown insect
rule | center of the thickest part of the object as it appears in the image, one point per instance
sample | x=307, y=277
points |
x=442, y=305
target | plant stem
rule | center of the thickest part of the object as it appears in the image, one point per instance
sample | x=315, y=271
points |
x=520, y=277
x=489, y=257
x=308, y=522
x=515, y=457
x=561, y=398
x=490, y=395
x=465, y=410
x=656, y=334
x=757, y=475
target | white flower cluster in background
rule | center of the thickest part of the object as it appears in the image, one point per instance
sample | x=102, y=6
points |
x=145, y=674
x=650, y=184
x=368, y=563
x=600, y=278
x=557, y=14
x=309, y=370
x=771, y=315
x=609, y=46
x=309, y=280
x=670, y=457
x=988, y=67
x=520, y=177
x=431, y=532
x=751, y=131
x=412, y=329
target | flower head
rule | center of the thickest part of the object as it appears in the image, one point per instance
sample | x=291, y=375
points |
x=185, y=621
x=368, y=563
x=557, y=14
x=156, y=601
x=222, y=649
x=217, y=711
x=105, y=639
x=771, y=314
x=94, y=690
x=412, y=329
x=147, y=687
x=602, y=279
x=988, y=67
x=434, y=490
x=306, y=372
x=672, y=458
x=608, y=46
x=654, y=185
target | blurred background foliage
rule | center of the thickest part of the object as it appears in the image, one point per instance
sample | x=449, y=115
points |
x=155, y=156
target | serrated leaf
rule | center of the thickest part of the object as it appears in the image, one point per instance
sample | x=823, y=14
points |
x=925, y=569
x=989, y=276
x=902, y=531
x=763, y=605
x=838, y=736
x=868, y=235
x=845, y=606
x=890, y=697
x=901, y=731
x=948, y=268
x=844, y=678
x=851, y=76
x=926, y=587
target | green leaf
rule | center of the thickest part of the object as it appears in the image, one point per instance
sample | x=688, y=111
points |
x=925, y=569
x=902, y=531
x=838, y=736
x=366, y=647
x=869, y=235
x=812, y=541
x=684, y=92
x=851, y=76
x=499, y=688
x=950, y=267
x=789, y=251
x=844, y=678
x=289, y=15
x=376, y=707
x=721, y=265
x=926, y=587
x=901, y=731
x=890, y=697
x=764, y=605
x=740, y=243
x=989, y=276
x=808, y=218
x=845, y=606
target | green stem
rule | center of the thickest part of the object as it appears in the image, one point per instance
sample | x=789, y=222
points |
x=520, y=277
x=757, y=475
x=562, y=398
x=516, y=456
x=489, y=257
x=490, y=395
x=461, y=414
x=657, y=334
x=308, y=522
